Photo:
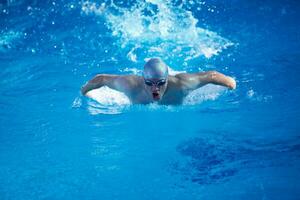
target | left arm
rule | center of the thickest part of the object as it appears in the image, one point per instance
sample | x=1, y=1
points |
x=196, y=80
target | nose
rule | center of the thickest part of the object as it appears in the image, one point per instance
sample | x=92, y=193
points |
x=154, y=88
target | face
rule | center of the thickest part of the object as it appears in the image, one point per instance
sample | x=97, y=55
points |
x=156, y=87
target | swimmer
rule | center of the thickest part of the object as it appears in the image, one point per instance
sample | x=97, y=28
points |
x=156, y=85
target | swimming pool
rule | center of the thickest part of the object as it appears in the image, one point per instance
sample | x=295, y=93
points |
x=57, y=144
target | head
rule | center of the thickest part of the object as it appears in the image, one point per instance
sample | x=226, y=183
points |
x=155, y=78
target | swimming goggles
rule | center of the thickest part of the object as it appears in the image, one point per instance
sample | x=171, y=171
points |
x=155, y=83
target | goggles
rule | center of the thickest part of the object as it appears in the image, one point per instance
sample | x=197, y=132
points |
x=155, y=83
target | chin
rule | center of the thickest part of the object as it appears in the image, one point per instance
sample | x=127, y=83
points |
x=156, y=99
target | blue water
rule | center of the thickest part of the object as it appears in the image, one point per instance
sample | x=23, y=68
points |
x=241, y=144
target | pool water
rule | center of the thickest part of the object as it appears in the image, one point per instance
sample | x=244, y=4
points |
x=220, y=144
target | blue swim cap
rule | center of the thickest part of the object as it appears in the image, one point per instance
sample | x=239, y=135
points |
x=155, y=68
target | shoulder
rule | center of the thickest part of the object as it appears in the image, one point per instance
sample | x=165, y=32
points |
x=186, y=81
x=186, y=76
x=178, y=81
x=182, y=78
x=130, y=81
x=121, y=82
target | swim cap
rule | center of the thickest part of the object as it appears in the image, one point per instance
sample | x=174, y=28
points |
x=155, y=68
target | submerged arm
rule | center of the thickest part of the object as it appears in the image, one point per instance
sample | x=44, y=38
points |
x=120, y=83
x=194, y=81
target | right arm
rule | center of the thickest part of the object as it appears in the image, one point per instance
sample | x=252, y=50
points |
x=116, y=82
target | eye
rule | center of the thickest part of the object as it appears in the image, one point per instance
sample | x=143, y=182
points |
x=149, y=83
x=162, y=82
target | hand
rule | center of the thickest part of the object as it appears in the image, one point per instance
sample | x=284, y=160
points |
x=231, y=83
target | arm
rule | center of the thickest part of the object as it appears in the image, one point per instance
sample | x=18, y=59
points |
x=120, y=83
x=194, y=81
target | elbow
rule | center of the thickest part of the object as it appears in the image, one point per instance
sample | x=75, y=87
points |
x=97, y=79
x=95, y=83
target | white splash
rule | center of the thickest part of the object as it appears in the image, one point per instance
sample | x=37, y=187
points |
x=154, y=28
x=108, y=101
x=174, y=72
x=208, y=92
x=133, y=70
x=250, y=93
x=132, y=55
x=77, y=102
x=254, y=96
x=107, y=96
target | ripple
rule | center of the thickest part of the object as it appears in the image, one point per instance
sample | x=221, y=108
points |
x=208, y=161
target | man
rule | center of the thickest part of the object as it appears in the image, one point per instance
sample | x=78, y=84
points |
x=156, y=85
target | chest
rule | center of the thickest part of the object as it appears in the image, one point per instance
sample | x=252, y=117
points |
x=140, y=97
x=173, y=97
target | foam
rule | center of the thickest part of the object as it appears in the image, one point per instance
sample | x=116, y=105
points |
x=107, y=101
x=205, y=93
x=158, y=28
x=109, y=97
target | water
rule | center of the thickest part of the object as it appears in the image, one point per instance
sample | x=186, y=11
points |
x=56, y=144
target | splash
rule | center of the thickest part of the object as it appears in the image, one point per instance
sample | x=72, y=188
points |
x=107, y=101
x=205, y=93
x=158, y=28
x=254, y=96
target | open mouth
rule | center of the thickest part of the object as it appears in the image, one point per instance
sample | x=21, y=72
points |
x=155, y=95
